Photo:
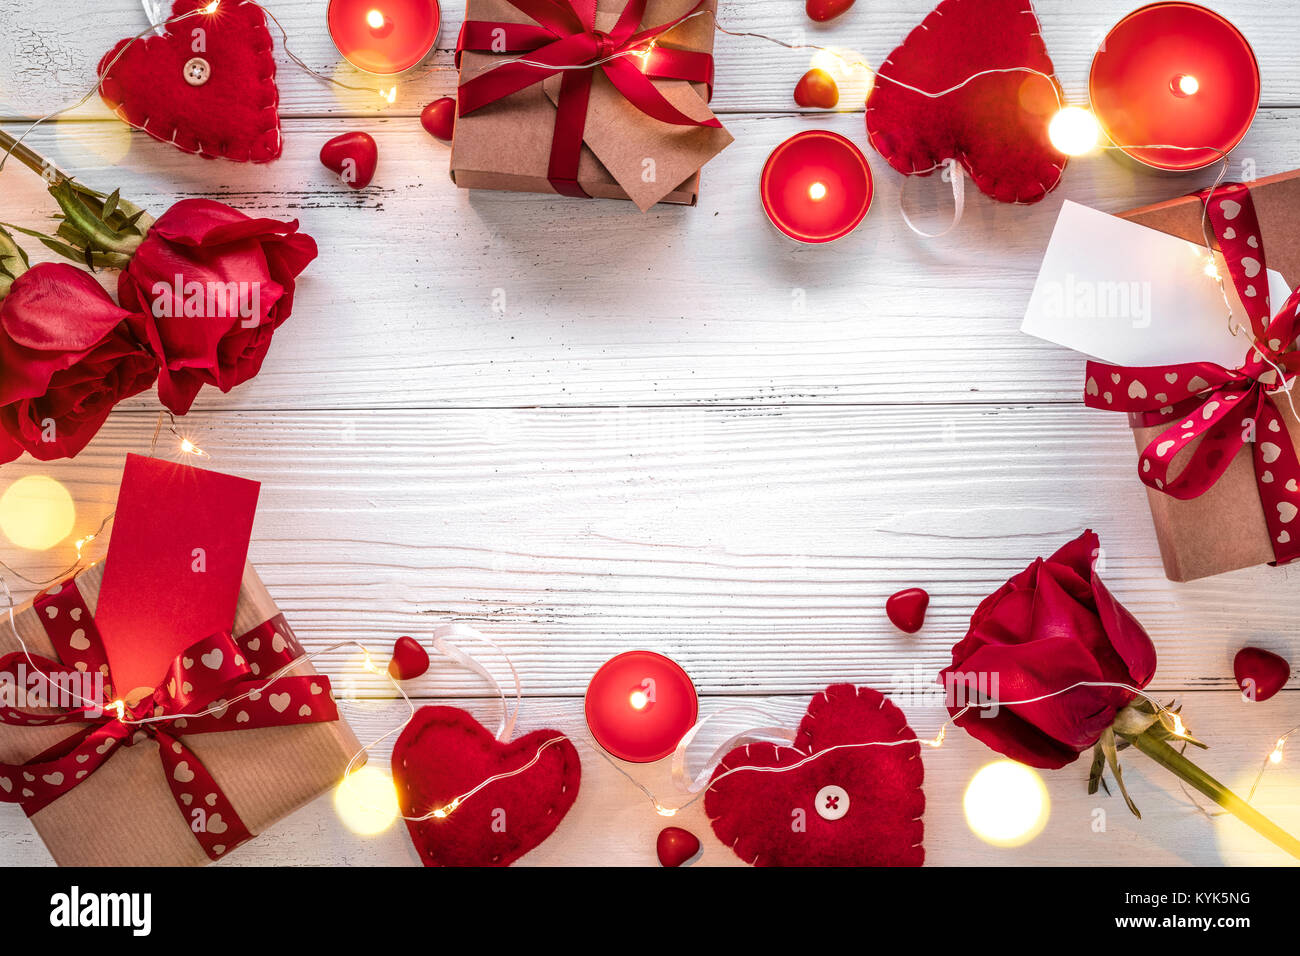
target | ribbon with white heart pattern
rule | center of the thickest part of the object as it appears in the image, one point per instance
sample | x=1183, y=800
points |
x=1219, y=410
x=212, y=687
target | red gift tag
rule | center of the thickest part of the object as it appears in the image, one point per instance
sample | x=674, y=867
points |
x=174, y=566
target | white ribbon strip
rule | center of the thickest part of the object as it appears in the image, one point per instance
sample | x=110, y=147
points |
x=952, y=172
x=694, y=784
x=156, y=14
x=442, y=634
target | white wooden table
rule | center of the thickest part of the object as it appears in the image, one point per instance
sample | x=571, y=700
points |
x=653, y=446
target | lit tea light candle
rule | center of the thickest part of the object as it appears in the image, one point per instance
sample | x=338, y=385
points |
x=816, y=186
x=639, y=705
x=1175, y=75
x=384, y=36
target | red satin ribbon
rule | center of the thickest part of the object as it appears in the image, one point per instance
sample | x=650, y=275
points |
x=565, y=39
x=1222, y=409
x=205, y=677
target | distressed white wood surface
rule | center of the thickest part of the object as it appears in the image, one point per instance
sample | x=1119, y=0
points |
x=709, y=471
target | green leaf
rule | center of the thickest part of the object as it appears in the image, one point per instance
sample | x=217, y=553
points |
x=1107, y=743
x=110, y=205
x=1098, y=768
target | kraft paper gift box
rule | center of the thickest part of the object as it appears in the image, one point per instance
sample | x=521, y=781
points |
x=124, y=814
x=206, y=728
x=625, y=153
x=1223, y=529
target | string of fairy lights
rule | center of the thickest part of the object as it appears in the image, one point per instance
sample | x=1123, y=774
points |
x=1073, y=130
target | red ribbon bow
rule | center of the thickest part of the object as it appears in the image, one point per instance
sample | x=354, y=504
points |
x=212, y=687
x=565, y=40
x=1223, y=409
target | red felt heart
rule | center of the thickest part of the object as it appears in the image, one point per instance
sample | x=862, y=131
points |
x=444, y=753
x=1260, y=674
x=773, y=819
x=353, y=156
x=232, y=113
x=995, y=126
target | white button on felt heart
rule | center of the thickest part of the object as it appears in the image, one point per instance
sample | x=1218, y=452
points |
x=832, y=802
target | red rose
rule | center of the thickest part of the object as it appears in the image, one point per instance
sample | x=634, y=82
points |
x=1050, y=626
x=66, y=358
x=210, y=286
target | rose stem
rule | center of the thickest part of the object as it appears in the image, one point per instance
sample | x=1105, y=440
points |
x=1169, y=758
x=30, y=158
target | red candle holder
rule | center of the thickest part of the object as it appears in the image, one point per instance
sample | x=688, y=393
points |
x=816, y=186
x=384, y=37
x=1175, y=74
x=639, y=705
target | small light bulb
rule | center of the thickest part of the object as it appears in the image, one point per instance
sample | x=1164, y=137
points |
x=1074, y=131
x=375, y=20
x=817, y=192
x=1276, y=755
x=389, y=95
x=639, y=699
x=212, y=7
x=1179, y=729
x=1211, y=268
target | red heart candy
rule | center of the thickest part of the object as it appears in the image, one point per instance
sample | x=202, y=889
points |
x=823, y=10
x=855, y=806
x=996, y=125
x=353, y=156
x=675, y=846
x=207, y=88
x=817, y=88
x=444, y=753
x=1260, y=674
x=439, y=118
x=906, y=609
x=410, y=660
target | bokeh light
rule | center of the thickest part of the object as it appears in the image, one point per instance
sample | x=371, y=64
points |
x=1006, y=804
x=366, y=801
x=36, y=513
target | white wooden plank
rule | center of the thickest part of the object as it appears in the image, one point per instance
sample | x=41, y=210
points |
x=613, y=824
x=54, y=56
x=756, y=546
x=604, y=305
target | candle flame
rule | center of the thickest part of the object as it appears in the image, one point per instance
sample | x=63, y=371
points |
x=639, y=699
x=375, y=20
x=817, y=192
x=1186, y=84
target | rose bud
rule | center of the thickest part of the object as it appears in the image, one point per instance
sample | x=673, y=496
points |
x=210, y=286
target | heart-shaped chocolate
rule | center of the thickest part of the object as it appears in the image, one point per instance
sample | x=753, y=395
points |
x=207, y=86
x=996, y=125
x=854, y=806
x=444, y=753
x=353, y=156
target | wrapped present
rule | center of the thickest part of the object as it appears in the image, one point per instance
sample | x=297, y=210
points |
x=1217, y=446
x=236, y=735
x=600, y=98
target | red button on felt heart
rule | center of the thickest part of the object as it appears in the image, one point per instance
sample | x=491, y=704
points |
x=444, y=753
x=771, y=819
x=996, y=126
x=232, y=113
